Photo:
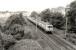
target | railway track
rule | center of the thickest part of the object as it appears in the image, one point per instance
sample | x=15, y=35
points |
x=49, y=41
x=41, y=34
x=53, y=41
x=62, y=43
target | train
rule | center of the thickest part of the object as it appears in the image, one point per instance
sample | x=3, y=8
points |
x=44, y=25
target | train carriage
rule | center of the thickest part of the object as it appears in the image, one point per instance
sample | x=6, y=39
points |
x=44, y=25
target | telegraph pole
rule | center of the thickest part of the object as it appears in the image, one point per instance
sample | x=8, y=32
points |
x=66, y=29
x=65, y=32
x=66, y=26
x=36, y=24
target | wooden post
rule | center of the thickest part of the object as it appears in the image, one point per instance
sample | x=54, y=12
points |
x=66, y=27
x=36, y=24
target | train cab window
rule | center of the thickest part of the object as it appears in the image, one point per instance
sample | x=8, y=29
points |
x=50, y=26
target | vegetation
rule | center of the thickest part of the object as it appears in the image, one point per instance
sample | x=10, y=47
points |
x=45, y=15
x=14, y=26
x=15, y=29
x=72, y=16
x=26, y=45
x=54, y=18
x=58, y=20
x=12, y=31
x=34, y=14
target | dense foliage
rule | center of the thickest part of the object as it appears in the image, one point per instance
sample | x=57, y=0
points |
x=13, y=30
x=72, y=16
x=54, y=18
x=58, y=20
x=34, y=14
x=45, y=15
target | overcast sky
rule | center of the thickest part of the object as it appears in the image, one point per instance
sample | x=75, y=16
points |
x=30, y=5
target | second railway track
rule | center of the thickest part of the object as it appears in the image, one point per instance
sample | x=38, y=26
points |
x=53, y=41
x=49, y=41
x=62, y=42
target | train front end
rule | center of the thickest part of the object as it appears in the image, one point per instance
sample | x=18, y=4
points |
x=49, y=28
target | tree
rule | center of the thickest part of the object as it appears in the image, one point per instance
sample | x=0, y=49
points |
x=73, y=4
x=45, y=15
x=72, y=16
x=54, y=18
x=16, y=30
x=58, y=20
x=14, y=19
x=34, y=14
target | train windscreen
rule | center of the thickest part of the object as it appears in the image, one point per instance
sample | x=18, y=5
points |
x=50, y=26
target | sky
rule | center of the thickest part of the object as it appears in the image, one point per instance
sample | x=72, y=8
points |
x=31, y=5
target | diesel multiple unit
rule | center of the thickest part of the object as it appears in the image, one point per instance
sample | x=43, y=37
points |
x=44, y=25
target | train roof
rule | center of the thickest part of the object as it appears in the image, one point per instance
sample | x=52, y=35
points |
x=46, y=23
